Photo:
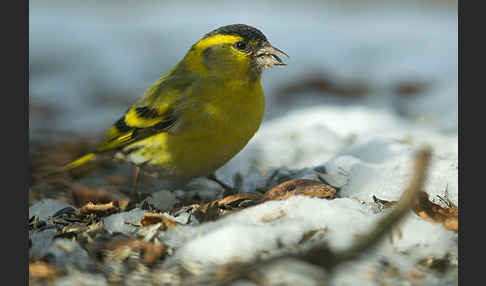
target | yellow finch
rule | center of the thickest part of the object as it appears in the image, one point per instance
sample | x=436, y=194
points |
x=199, y=114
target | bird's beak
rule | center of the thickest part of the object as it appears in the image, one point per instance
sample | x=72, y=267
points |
x=269, y=56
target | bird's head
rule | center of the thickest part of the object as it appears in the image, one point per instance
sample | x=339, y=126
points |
x=235, y=51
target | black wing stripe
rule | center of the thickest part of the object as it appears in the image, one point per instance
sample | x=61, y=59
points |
x=122, y=126
x=166, y=124
x=146, y=112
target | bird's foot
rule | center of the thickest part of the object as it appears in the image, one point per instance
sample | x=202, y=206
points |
x=228, y=190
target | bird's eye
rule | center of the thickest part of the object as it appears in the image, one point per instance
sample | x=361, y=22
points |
x=241, y=45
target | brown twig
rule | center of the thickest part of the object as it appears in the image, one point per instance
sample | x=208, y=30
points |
x=369, y=240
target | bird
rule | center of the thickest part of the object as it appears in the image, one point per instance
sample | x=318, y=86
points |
x=199, y=114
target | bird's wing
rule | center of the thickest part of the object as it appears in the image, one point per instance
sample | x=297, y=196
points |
x=133, y=126
x=157, y=112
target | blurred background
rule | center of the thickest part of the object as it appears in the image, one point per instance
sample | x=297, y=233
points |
x=89, y=60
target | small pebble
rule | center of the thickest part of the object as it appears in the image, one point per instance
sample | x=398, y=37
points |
x=162, y=200
x=118, y=222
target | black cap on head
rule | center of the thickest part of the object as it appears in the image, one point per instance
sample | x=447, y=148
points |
x=246, y=32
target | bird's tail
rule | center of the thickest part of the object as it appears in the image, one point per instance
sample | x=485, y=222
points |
x=74, y=164
x=78, y=162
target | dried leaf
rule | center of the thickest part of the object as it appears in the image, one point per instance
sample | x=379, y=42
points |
x=154, y=218
x=451, y=223
x=101, y=209
x=95, y=228
x=151, y=252
x=74, y=228
x=429, y=211
x=304, y=187
x=185, y=209
x=150, y=218
x=208, y=212
x=42, y=270
x=121, y=249
x=439, y=264
x=215, y=209
x=122, y=204
x=118, y=250
x=384, y=203
x=232, y=201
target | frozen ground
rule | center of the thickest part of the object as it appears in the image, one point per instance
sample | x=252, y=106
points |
x=89, y=62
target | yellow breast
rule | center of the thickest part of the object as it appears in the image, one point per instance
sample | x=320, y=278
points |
x=216, y=124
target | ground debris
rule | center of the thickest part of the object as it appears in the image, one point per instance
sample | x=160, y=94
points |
x=135, y=247
x=40, y=270
x=439, y=264
x=217, y=208
x=432, y=212
x=120, y=249
x=383, y=203
x=304, y=187
x=211, y=212
x=98, y=209
x=82, y=196
x=154, y=218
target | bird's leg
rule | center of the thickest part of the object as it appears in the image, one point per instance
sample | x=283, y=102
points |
x=134, y=195
x=227, y=189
